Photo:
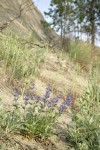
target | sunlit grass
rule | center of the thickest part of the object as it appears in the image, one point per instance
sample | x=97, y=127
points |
x=19, y=56
x=81, y=51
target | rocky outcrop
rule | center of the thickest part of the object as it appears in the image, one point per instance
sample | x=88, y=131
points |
x=23, y=17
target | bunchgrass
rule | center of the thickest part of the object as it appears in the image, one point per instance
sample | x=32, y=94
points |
x=19, y=56
x=81, y=53
x=78, y=48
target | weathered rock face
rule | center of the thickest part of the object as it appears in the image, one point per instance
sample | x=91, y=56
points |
x=23, y=17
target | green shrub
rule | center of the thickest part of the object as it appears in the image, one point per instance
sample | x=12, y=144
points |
x=84, y=132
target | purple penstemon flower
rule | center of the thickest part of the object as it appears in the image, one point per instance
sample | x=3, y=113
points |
x=15, y=94
x=44, y=99
x=48, y=89
x=26, y=98
x=26, y=102
x=69, y=99
x=48, y=92
x=51, y=105
x=59, y=96
x=67, y=103
x=62, y=108
x=54, y=100
x=38, y=98
x=69, y=95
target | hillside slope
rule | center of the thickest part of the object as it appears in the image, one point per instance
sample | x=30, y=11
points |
x=23, y=62
x=45, y=67
x=23, y=17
